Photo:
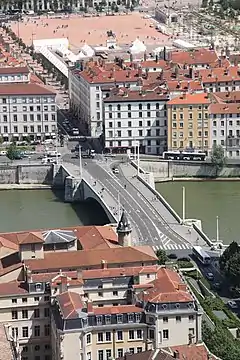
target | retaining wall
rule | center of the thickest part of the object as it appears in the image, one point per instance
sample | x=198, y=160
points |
x=26, y=174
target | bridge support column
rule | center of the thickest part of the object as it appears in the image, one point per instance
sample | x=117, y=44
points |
x=73, y=190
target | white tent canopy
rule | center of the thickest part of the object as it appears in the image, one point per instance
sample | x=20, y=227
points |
x=137, y=47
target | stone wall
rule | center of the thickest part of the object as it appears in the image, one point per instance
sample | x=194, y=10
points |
x=26, y=174
x=169, y=169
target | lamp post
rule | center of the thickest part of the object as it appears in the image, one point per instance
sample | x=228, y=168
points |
x=183, y=204
x=138, y=159
x=80, y=160
x=217, y=224
x=119, y=207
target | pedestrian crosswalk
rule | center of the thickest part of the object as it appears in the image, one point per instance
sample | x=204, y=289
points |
x=173, y=246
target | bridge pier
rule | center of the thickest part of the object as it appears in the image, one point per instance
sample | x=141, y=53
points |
x=73, y=189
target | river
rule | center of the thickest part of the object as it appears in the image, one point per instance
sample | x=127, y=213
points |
x=205, y=200
x=39, y=209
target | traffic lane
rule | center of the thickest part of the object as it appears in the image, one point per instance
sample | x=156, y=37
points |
x=148, y=231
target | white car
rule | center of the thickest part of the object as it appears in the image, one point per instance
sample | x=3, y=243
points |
x=232, y=304
x=115, y=171
x=3, y=153
x=46, y=161
x=209, y=276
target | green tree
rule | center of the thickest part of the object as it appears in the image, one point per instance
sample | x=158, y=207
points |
x=204, y=3
x=12, y=151
x=217, y=158
x=162, y=257
x=230, y=251
x=232, y=269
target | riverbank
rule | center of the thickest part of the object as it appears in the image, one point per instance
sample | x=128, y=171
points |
x=195, y=179
x=24, y=187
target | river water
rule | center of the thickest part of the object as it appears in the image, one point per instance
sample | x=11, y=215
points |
x=205, y=200
x=39, y=209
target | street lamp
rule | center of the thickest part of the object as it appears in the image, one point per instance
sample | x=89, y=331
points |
x=80, y=160
x=183, y=204
x=217, y=223
x=138, y=159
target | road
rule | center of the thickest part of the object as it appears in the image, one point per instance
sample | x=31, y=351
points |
x=144, y=213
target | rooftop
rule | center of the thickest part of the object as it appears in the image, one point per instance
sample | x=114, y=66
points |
x=12, y=70
x=192, y=57
x=24, y=89
x=167, y=288
x=145, y=94
x=223, y=108
x=190, y=99
x=85, y=258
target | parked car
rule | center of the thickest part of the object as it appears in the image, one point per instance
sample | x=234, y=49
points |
x=232, y=304
x=115, y=171
x=3, y=153
x=209, y=276
x=217, y=285
x=172, y=256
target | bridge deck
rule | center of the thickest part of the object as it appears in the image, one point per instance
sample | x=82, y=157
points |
x=152, y=222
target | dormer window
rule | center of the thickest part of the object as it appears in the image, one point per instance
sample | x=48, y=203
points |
x=119, y=318
x=108, y=319
x=38, y=287
x=99, y=320
x=130, y=318
x=138, y=317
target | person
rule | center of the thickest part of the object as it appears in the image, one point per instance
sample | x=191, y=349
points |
x=125, y=186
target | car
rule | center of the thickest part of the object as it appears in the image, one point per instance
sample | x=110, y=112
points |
x=48, y=161
x=172, y=256
x=3, y=153
x=115, y=171
x=217, y=285
x=209, y=276
x=232, y=304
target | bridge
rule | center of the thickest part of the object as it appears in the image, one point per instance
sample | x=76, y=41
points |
x=153, y=220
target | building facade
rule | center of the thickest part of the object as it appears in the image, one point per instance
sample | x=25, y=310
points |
x=28, y=111
x=136, y=118
x=14, y=75
x=188, y=122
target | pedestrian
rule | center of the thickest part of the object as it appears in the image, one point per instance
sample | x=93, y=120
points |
x=125, y=186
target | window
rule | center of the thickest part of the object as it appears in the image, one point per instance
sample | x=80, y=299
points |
x=191, y=318
x=119, y=318
x=37, y=330
x=24, y=300
x=46, y=298
x=108, y=336
x=139, y=349
x=131, y=334
x=120, y=352
x=99, y=320
x=139, y=334
x=129, y=115
x=165, y=334
x=25, y=331
x=89, y=338
x=89, y=356
x=138, y=317
x=100, y=337
x=191, y=331
x=131, y=350
x=100, y=355
x=37, y=347
x=14, y=301
x=165, y=319
x=100, y=294
x=47, y=347
x=14, y=332
x=178, y=319
x=108, y=354
x=108, y=319
x=25, y=349
x=24, y=314
x=14, y=315
x=119, y=335
x=140, y=114
x=46, y=312
x=129, y=107
x=46, y=330
x=115, y=293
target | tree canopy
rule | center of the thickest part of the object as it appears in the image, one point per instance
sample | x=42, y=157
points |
x=162, y=257
x=217, y=157
x=230, y=263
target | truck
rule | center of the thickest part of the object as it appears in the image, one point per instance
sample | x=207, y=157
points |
x=88, y=154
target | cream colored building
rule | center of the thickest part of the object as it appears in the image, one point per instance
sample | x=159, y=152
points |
x=188, y=122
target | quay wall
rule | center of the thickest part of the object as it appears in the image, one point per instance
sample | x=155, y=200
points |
x=174, y=169
x=26, y=174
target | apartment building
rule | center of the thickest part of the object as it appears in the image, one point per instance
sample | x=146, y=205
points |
x=27, y=111
x=90, y=85
x=16, y=74
x=188, y=122
x=136, y=118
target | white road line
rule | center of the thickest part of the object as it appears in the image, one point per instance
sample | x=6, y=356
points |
x=167, y=242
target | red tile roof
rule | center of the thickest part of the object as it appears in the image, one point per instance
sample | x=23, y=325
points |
x=85, y=258
x=216, y=75
x=121, y=309
x=70, y=303
x=224, y=108
x=183, y=85
x=7, y=244
x=194, y=57
x=24, y=89
x=98, y=75
x=30, y=238
x=226, y=96
x=190, y=99
x=168, y=287
x=145, y=94
x=193, y=352
x=13, y=70
x=13, y=288
x=96, y=237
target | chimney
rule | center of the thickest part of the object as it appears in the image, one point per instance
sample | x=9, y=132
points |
x=219, y=62
x=176, y=354
x=139, y=72
x=156, y=58
x=182, y=287
x=191, y=73
x=104, y=264
x=145, y=56
x=184, y=95
x=28, y=275
x=89, y=307
x=63, y=284
x=79, y=274
x=128, y=74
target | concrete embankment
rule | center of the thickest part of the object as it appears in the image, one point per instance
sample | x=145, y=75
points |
x=26, y=174
x=24, y=187
x=182, y=170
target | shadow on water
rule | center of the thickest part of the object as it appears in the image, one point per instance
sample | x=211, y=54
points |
x=89, y=212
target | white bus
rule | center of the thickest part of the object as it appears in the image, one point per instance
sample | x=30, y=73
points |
x=201, y=255
x=185, y=155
